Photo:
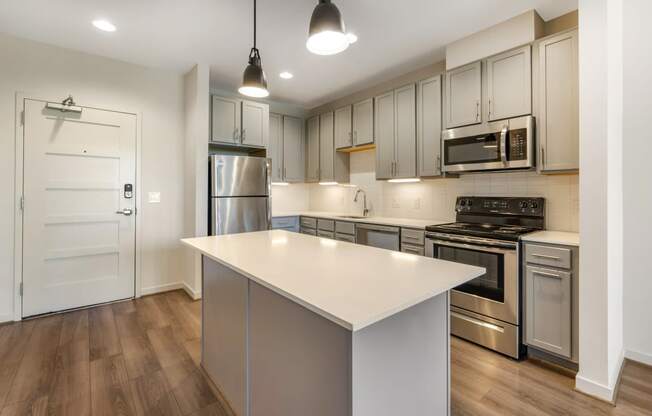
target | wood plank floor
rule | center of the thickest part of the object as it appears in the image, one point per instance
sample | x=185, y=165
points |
x=141, y=357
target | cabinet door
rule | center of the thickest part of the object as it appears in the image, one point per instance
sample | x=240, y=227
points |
x=326, y=148
x=549, y=310
x=509, y=84
x=225, y=120
x=255, y=124
x=293, y=149
x=463, y=94
x=363, y=122
x=558, y=103
x=312, y=150
x=406, y=136
x=385, y=133
x=275, y=148
x=343, y=128
x=429, y=127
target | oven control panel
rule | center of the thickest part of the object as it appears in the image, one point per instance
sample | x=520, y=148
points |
x=500, y=205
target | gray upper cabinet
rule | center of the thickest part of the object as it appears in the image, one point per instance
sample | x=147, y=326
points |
x=463, y=95
x=240, y=122
x=429, y=127
x=549, y=310
x=406, y=140
x=384, y=127
x=225, y=120
x=363, y=122
x=293, y=149
x=255, y=124
x=343, y=127
x=326, y=147
x=275, y=148
x=509, y=84
x=312, y=150
x=557, y=102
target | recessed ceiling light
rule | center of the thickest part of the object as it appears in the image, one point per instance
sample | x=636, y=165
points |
x=286, y=75
x=104, y=25
x=351, y=37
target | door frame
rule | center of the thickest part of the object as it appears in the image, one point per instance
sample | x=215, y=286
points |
x=18, y=193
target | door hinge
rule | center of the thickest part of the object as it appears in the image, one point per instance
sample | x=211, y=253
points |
x=22, y=203
x=20, y=289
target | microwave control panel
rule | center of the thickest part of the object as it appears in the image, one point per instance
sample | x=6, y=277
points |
x=518, y=144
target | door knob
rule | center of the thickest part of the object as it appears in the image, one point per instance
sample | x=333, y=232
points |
x=125, y=211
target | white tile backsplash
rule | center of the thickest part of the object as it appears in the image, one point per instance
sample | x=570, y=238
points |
x=435, y=198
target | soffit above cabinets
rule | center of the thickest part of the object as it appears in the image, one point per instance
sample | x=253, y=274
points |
x=176, y=35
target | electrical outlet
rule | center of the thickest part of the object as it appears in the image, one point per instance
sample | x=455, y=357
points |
x=417, y=203
x=154, y=197
x=395, y=203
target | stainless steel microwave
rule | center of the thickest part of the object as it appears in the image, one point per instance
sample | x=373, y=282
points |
x=499, y=145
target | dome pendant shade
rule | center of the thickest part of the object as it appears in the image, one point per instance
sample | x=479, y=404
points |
x=254, y=81
x=326, y=34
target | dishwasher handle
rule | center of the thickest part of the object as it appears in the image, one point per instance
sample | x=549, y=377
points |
x=374, y=227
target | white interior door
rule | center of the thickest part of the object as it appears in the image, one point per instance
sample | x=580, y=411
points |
x=77, y=250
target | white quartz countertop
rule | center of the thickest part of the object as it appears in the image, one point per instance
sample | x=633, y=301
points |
x=398, y=222
x=553, y=237
x=350, y=284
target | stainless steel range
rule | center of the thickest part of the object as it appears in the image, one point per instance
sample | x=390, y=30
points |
x=487, y=309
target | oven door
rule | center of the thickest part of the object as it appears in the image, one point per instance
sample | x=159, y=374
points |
x=494, y=294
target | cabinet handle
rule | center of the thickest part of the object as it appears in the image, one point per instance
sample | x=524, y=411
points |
x=438, y=164
x=477, y=111
x=235, y=134
x=355, y=137
x=350, y=137
x=285, y=173
x=556, y=276
x=489, y=116
x=242, y=137
x=544, y=256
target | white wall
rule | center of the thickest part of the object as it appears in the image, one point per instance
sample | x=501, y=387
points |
x=197, y=122
x=601, y=215
x=435, y=199
x=50, y=72
x=637, y=180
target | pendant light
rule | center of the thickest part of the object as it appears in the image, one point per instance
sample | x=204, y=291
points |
x=326, y=34
x=254, y=81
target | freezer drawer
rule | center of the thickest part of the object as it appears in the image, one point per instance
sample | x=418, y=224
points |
x=239, y=215
x=239, y=176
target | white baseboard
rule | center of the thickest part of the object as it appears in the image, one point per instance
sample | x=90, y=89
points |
x=640, y=357
x=598, y=390
x=194, y=294
x=6, y=317
x=160, y=288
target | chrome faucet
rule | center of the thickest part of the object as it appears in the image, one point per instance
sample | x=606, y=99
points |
x=365, y=210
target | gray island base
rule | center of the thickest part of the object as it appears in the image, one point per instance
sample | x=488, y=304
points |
x=296, y=325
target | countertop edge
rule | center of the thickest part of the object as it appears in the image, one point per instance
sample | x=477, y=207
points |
x=391, y=221
x=564, y=238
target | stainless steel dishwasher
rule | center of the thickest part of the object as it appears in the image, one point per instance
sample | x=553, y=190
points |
x=380, y=236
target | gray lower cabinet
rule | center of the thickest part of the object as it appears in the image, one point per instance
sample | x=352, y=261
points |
x=308, y=225
x=312, y=150
x=556, y=101
x=286, y=223
x=345, y=231
x=239, y=122
x=412, y=241
x=429, y=127
x=550, y=275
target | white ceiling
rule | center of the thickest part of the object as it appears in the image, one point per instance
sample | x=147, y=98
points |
x=395, y=36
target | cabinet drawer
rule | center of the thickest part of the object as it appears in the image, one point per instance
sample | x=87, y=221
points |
x=284, y=222
x=412, y=237
x=309, y=231
x=548, y=256
x=409, y=248
x=326, y=225
x=345, y=237
x=326, y=234
x=345, y=227
x=308, y=222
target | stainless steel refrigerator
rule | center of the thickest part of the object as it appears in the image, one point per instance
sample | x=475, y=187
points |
x=239, y=194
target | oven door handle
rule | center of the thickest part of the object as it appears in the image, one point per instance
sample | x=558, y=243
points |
x=470, y=246
x=503, y=145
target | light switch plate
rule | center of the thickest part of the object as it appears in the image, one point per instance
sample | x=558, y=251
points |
x=154, y=197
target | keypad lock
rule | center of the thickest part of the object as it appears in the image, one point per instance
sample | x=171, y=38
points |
x=128, y=190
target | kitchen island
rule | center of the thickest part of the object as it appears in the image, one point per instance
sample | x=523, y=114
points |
x=296, y=325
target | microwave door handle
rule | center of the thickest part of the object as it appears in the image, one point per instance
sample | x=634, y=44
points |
x=503, y=145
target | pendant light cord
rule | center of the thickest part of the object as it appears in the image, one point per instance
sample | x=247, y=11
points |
x=254, y=24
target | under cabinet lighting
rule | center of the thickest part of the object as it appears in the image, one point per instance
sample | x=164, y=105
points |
x=280, y=184
x=328, y=183
x=104, y=25
x=405, y=180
